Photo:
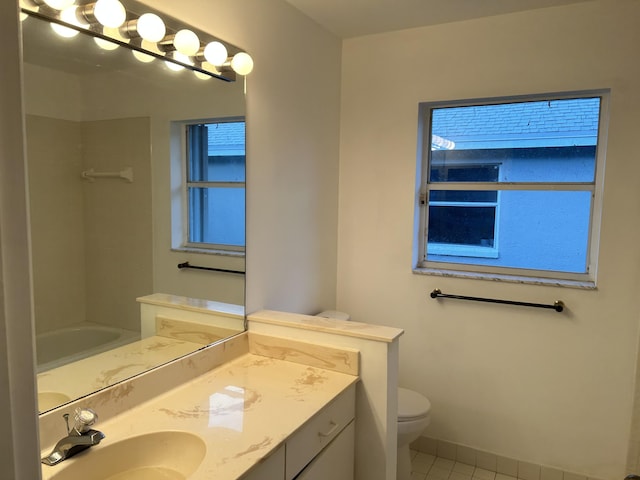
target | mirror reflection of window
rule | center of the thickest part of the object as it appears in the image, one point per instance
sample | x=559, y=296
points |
x=216, y=185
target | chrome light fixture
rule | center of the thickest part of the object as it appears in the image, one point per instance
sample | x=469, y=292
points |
x=150, y=34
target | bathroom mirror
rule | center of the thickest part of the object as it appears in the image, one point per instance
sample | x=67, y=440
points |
x=105, y=146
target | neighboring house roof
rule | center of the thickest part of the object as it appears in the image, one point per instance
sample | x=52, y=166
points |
x=226, y=138
x=570, y=122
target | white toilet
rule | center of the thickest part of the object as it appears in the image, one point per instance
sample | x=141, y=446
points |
x=414, y=414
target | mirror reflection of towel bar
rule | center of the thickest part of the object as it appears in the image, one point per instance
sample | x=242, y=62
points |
x=91, y=174
x=211, y=269
x=558, y=305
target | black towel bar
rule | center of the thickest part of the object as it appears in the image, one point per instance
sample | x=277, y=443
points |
x=558, y=305
x=188, y=265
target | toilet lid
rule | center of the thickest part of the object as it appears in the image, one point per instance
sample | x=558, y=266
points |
x=412, y=405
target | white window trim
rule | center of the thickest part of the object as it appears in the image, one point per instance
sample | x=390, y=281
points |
x=541, y=277
x=180, y=215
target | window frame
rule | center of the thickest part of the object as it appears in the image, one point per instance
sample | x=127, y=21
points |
x=521, y=275
x=185, y=218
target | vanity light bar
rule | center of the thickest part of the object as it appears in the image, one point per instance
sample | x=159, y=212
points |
x=141, y=28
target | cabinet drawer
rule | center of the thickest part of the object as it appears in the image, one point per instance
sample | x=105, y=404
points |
x=318, y=432
x=335, y=462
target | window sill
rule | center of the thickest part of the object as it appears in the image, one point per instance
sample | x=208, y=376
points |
x=208, y=251
x=554, y=282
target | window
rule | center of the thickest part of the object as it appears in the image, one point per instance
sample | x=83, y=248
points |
x=215, y=185
x=511, y=187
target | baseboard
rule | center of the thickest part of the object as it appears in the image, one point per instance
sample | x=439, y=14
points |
x=504, y=466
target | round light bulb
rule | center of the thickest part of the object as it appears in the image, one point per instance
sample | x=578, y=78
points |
x=68, y=15
x=201, y=76
x=59, y=4
x=149, y=46
x=110, y=13
x=174, y=66
x=186, y=42
x=65, y=32
x=151, y=27
x=180, y=58
x=242, y=63
x=215, y=53
x=105, y=44
x=143, y=57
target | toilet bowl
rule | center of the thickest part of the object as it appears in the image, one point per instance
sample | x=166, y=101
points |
x=414, y=415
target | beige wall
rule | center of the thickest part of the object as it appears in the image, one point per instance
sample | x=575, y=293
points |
x=56, y=207
x=554, y=389
x=117, y=220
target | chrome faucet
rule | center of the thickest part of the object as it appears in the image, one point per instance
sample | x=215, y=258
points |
x=78, y=438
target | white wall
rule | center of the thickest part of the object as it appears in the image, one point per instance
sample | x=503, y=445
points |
x=554, y=389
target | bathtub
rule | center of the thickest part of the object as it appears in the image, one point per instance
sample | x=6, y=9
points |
x=76, y=342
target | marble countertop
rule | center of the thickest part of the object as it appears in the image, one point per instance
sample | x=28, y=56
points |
x=242, y=410
x=84, y=376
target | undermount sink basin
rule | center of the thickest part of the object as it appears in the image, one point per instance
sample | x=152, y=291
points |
x=49, y=400
x=170, y=455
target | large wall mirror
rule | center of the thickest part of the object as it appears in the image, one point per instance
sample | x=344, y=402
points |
x=108, y=147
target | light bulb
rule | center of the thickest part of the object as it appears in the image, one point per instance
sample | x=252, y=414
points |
x=143, y=57
x=151, y=27
x=59, y=4
x=180, y=57
x=174, y=66
x=110, y=13
x=186, y=42
x=105, y=44
x=201, y=76
x=65, y=32
x=68, y=15
x=215, y=53
x=242, y=63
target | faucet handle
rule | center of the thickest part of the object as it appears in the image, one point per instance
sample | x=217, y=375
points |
x=83, y=419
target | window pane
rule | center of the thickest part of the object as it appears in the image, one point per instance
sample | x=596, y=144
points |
x=539, y=230
x=217, y=152
x=462, y=173
x=486, y=196
x=546, y=141
x=217, y=216
x=462, y=225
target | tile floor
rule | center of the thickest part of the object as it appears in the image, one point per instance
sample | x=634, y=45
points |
x=429, y=467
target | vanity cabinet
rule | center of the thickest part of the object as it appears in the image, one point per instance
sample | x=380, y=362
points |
x=310, y=439
x=271, y=468
x=336, y=461
x=321, y=448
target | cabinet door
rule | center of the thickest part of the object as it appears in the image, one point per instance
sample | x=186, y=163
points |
x=335, y=462
x=271, y=468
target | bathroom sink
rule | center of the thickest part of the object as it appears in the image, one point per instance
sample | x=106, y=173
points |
x=167, y=455
x=49, y=400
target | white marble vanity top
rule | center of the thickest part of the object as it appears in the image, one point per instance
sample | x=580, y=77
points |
x=242, y=410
